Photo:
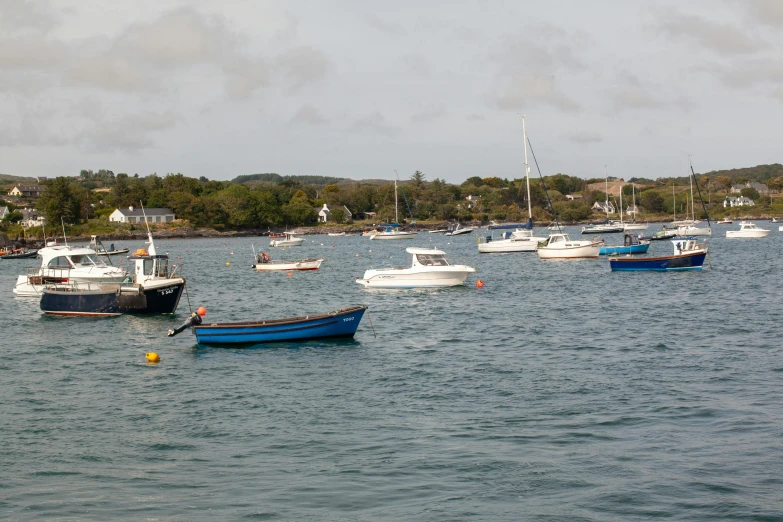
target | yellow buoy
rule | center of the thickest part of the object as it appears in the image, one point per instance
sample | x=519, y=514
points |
x=152, y=357
x=228, y=264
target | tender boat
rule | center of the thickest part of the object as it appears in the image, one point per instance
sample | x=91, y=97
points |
x=774, y=220
x=747, y=229
x=288, y=240
x=63, y=264
x=429, y=269
x=102, y=251
x=521, y=240
x=559, y=246
x=457, y=230
x=631, y=245
x=265, y=264
x=339, y=323
x=688, y=255
x=154, y=289
x=439, y=231
x=18, y=253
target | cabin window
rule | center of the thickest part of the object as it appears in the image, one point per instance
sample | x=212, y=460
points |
x=59, y=262
x=148, y=264
x=163, y=268
x=432, y=260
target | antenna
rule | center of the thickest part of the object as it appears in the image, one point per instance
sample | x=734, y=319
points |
x=65, y=238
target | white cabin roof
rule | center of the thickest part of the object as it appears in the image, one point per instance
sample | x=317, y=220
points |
x=49, y=253
x=430, y=251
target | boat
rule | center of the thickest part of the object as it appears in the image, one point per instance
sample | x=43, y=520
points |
x=780, y=228
x=689, y=254
x=693, y=230
x=392, y=231
x=276, y=235
x=439, y=231
x=66, y=263
x=457, y=230
x=725, y=222
x=288, y=240
x=634, y=225
x=367, y=233
x=335, y=234
x=18, y=253
x=265, y=264
x=559, y=246
x=102, y=251
x=339, y=323
x=774, y=220
x=747, y=229
x=663, y=233
x=607, y=226
x=152, y=289
x=556, y=226
x=429, y=269
x=522, y=239
x=631, y=245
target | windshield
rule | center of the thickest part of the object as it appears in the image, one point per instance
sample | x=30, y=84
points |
x=432, y=260
x=85, y=260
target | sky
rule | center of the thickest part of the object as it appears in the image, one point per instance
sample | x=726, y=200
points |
x=357, y=89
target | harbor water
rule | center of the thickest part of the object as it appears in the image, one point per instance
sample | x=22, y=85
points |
x=558, y=391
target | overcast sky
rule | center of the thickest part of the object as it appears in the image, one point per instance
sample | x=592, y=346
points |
x=359, y=88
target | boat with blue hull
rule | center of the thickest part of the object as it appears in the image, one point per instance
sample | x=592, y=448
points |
x=688, y=255
x=631, y=245
x=339, y=323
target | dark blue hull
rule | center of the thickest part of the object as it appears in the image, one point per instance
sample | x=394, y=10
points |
x=659, y=264
x=340, y=323
x=112, y=301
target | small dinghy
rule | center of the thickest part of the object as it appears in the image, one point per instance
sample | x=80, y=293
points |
x=265, y=264
x=20, y=254
x=103, y=251
x=339, y=323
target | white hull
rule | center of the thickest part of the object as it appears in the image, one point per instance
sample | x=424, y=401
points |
x=694, y=231
x=435, y=277
x=746, y=233
x=635, y=226
x=286, y=242
x=24, y=288
x=780, y=228
x=305, y=264
x=460, y=232
x=335, y=235
x=510, y=245
x=570, y=252
x=394, y=235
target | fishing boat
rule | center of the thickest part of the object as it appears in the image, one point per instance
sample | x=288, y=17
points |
x=561, y=246
x=689, y=254
x=631, y=245
x=154, y=288
x=18, y=253
x=288, y=240
x=65, y=263
x=634, y=225
x=429, y=269
x=102, y=251
x=747, y=230
x=392, y=231
x=339, y=323
x=457, y=230
x=265, y=264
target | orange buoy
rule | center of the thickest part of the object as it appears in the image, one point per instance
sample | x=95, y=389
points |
x=479, y=284
x=289, y=274
x=201, y=311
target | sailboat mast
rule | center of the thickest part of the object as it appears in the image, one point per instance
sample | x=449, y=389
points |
x=396, y=218
x=621, y=205
x=606, y=202
x=693, y=202
x=674, y=202
x=527, y=173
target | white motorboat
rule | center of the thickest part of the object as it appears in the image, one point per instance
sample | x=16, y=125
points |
x=518, y=241
x=693, y=230
x=267, y=265
x=562, y=246
x=65, y=263
x=392, y=231
x=725, y=222
x=334, y=234
x=458, y=230
x=429, y=269
x=747, y=229
x=602, y=228
x=287, y=241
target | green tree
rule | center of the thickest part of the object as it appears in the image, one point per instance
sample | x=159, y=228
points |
x=337, y=215
x=418, y=178
x=651, y=200
x=238, y=205
x=13, y=217
x=750, y=193
x=62, y=200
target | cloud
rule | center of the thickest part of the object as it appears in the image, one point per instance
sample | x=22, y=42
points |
x=309, y=115
x=374, y=122
x=768, y=12
x=384, y=26
x=428, y=115
x=128, y=132
x=525, y=90
x=584, y=137
x=302, y=66
x=720, y=38
x=19, y=15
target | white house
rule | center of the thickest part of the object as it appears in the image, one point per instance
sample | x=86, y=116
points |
x=324, y=213
x=31, y=218
x=760, y=187
x=632, y=210
x=27, y=190
x=135, y=215
x=741, y=201
x=603, y=206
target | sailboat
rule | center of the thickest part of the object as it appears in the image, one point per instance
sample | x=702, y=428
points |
x=392, y=231
x=634, y=225
x=687, y=228
x=522, y=239
x=606, y=227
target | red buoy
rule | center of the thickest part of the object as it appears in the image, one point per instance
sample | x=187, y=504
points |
x=201, y=311
x=479, y=284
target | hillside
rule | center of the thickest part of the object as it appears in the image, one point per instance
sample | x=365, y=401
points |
x=760, y=173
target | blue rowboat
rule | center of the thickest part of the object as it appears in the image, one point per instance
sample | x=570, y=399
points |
x=631, y=245
x=339, y=323
x=689, y=255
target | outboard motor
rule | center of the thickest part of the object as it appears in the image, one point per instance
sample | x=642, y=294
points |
x=193, y=320
x=488, y=239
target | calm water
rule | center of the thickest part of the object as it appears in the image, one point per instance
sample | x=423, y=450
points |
x=559, y=391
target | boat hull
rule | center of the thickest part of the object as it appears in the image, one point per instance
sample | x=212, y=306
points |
x=735, y=234
x=635, y=226
x=305, y=264
x=692, y=261
x=510, y=245
x=454, y=275
x=570, y=252
x=97, y=303
x=340, y=323
x=601, y=230
x=286, y=242
x=393, y=236
x=632, y=249
x=107, y=300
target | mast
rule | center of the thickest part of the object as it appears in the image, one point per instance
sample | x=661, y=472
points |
x=396, y=218
x=621, y=206
x=527, y=176
x=633, y=189
x=606, y=202
x=674, y=202
x=693, y=202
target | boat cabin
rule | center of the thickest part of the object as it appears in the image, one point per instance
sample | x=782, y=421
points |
x=687, y=244
x=631, y=240
x=64, y=257
x=558, y=239
x=149, y=266
x=428, y=257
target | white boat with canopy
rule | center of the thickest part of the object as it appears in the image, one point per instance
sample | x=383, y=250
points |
x=747, y=229
x=429, y=269
x=288, y=241
x=562, y=246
